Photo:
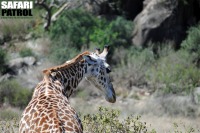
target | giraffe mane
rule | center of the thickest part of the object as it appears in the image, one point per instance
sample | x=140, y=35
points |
x=73, y=61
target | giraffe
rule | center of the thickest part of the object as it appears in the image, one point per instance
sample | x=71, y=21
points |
x=49, y=109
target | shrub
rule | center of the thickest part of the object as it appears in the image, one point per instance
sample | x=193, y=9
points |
x=107, y=121
x=68, y=34
x=75, y=25
x=192, y=43
x=174, y=73
x=60, y=54
x=168, y=70
x=14, y=94
x=115, y=33
x=17, y=28
x=26, y=52
x=77, y=29
x=132, y=68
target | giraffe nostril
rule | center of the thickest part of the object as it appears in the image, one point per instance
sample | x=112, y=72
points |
x=108, y=70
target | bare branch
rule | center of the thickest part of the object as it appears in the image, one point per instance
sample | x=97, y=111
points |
x=49, y=17
x=55, y=15
x=48, y=14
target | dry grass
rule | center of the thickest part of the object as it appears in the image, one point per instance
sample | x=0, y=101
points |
x=153, y=115
x=9, y=119
x=16, y=27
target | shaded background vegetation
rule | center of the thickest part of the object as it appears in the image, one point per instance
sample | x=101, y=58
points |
x=161, y=68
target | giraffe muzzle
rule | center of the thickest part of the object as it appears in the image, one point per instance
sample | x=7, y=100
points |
x=110, y=95
x=111, y=100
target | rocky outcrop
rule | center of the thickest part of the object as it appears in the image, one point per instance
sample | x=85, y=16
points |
x=164, y=20
x=129, y=8
x=19, y=65
x=132, y=8
x=5, y=77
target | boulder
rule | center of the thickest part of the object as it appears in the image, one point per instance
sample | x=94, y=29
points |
x=18, y=65
x=129, y=8
x=5, y=77
x=132, y=8
x=164, y=20
x=101, y=7
x=4, y=38
x=196, y=95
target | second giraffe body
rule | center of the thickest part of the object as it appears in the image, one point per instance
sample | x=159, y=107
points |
x=49, y=110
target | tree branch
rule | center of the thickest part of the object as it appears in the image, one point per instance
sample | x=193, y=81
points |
x=48, y=14
x=55, y=15
x=49, y=17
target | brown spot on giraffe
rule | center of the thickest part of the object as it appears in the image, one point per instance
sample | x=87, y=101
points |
x=49, y=109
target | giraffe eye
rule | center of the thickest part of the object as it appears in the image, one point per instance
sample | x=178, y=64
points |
x=108, y=70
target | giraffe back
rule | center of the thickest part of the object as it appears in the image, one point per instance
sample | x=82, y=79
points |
x=49, y=110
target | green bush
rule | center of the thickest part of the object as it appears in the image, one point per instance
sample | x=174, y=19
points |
x=168, y=70
x=26, y=52
x=2, y=60
x=174, y=73
x=115, y=33
x=60, y=54
x=75, y=25
x=107, y=121
x=192, y=43
x=132, y=67
x=77, y=29
x=14, y=94
x=16, y=28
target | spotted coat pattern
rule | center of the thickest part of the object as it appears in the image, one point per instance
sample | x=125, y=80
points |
x=49, y=109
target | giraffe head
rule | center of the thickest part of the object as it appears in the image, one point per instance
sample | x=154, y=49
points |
x=98, y=73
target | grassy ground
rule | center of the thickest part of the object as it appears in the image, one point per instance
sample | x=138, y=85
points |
x=161, y=123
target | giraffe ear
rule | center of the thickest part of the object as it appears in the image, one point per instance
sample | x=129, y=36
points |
x=89, y=60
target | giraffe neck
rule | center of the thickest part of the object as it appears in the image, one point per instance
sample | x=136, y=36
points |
x=68, y=78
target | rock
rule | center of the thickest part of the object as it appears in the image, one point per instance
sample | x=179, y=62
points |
x=18, y=65
x=196, y=95
x=163, y=20
x=29, y=60
x=4, y=38
x=129, y=8
x=5, y=77
x=132, y=8
x=97, y=7
x=28, y=36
